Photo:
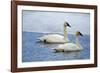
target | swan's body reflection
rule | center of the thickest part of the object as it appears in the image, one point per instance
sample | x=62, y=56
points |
x=33, y=50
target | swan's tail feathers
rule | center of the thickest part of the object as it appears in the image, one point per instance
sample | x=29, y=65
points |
x=40, y=39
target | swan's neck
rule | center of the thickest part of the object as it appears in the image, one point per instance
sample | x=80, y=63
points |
x=65, y=34
x=77, y=42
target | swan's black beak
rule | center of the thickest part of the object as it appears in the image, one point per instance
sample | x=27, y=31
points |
x=68, y=24
x=80, y=34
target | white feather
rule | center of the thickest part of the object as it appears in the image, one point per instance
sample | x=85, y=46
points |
x=68, y=47
x=56, y=38
x=53, y=38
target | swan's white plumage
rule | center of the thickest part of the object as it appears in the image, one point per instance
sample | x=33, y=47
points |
x=56, y=38
x=68, y=47
x=53, y=38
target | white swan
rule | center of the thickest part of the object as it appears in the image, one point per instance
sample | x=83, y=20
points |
x=70, y=46
x=56, y=38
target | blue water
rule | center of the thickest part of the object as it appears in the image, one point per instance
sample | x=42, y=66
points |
x=33, y=50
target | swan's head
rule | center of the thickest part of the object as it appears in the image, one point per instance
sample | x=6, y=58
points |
x=66, y=24
x=78, y=33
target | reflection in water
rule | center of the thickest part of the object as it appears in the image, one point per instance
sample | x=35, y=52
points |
x=66, y=55
x=34, y=50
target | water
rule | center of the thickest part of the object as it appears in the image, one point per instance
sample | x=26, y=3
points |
x=33, y=50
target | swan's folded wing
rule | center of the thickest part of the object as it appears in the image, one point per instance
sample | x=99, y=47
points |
x=68, y=47
x=53, y=38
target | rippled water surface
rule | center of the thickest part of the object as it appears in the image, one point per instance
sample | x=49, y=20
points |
x=33, y=50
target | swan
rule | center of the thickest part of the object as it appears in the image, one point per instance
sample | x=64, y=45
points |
x=70, y=46
x=56, y=38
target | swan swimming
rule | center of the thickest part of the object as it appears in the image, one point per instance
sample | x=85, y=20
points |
x=70, y=46
x=56, y=38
